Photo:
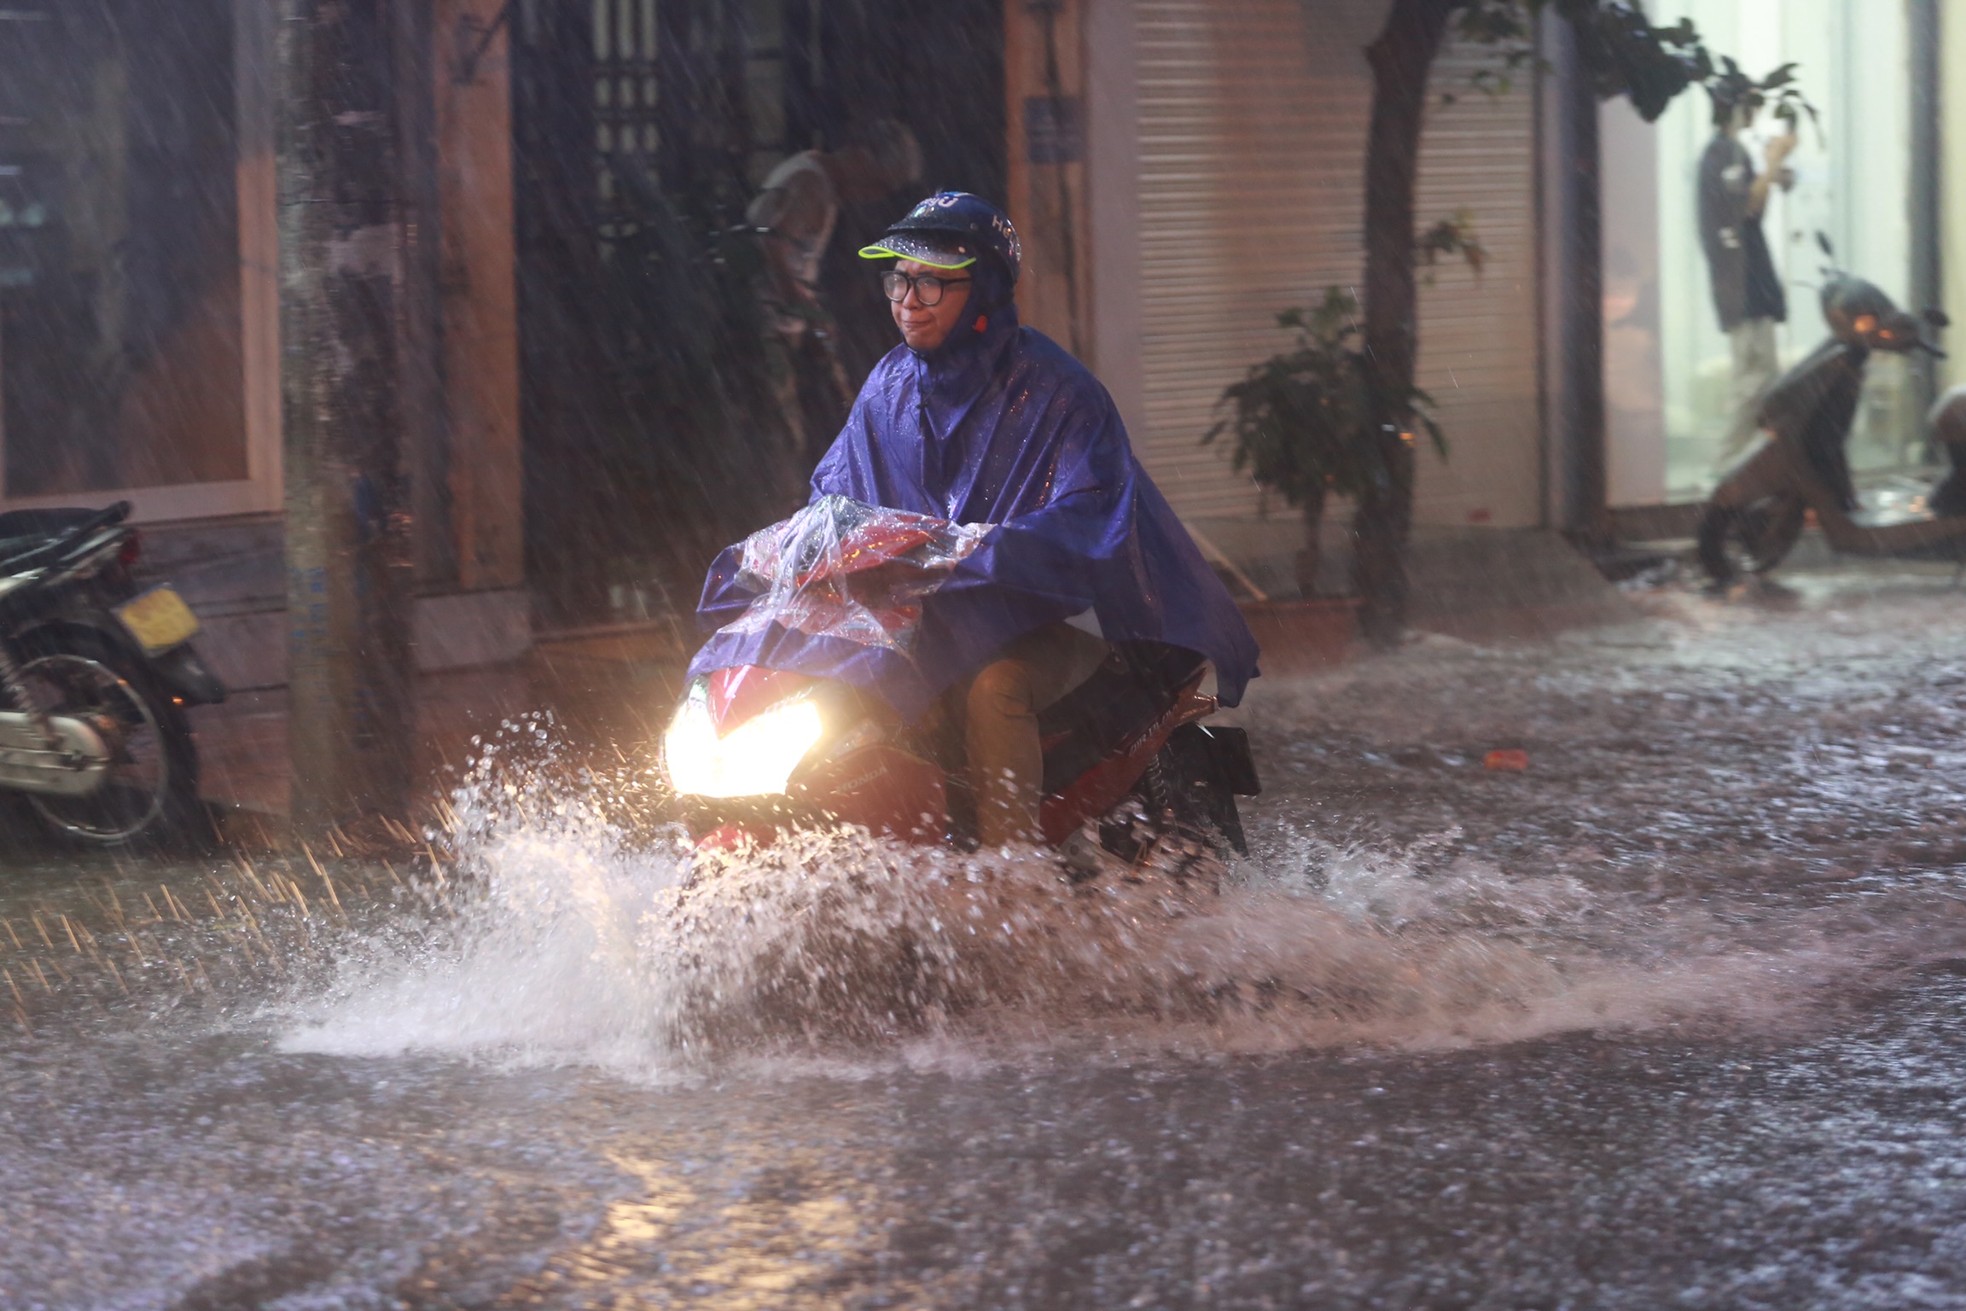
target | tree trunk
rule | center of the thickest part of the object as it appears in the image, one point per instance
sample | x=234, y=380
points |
x=1310, y=559
x=1401, y=58
x=1574, y=360
x=348, y=265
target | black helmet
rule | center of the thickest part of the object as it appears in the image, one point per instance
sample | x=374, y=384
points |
x=952, y=230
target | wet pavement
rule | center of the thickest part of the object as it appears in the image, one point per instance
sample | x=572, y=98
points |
x=1668, y=1017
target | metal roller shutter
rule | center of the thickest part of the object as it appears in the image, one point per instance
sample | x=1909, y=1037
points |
x=1479, y=337
x=1252, y=137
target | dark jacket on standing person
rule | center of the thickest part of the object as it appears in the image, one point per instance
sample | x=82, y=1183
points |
x=1745, y=285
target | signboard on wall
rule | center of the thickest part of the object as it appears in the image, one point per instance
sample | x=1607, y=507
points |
x=1054, y=129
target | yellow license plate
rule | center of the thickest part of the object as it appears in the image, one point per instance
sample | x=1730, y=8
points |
x=158, y=620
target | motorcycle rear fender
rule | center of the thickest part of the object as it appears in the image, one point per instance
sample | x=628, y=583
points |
x=1773, y=469
x=179, y=670
x=183, y=672
x=1100, y=788
x=1228, y=751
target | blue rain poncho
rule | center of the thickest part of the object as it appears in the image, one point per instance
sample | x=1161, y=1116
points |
x=997, y=426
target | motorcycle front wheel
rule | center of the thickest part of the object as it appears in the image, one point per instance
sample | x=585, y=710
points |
x=1751, y=539
x=149, y=793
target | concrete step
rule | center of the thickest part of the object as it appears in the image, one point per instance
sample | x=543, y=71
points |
x=233, y=574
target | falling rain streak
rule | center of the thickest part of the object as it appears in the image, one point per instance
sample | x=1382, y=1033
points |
x=544, y=1055
x=1600, y=943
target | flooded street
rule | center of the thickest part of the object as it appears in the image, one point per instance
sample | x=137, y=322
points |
x=1668, y=1016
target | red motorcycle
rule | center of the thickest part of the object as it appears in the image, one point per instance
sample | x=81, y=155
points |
x=754, y=751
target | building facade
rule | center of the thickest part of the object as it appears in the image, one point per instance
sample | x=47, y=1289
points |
x=1224, y=183
x=139, y=309
x=1182, y=170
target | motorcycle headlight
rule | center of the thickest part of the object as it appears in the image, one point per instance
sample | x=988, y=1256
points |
x=754, y=759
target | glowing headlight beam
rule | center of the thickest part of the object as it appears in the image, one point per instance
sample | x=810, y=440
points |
x=755, y=759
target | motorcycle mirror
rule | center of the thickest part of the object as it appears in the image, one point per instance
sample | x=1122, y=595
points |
x=1938, y=318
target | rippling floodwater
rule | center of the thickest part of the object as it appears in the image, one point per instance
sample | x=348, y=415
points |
x=1669, y=1018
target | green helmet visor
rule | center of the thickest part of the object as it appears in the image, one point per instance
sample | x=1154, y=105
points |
x=938, y=250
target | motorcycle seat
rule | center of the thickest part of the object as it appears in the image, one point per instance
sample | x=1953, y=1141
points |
x=13, y=548
x=23, y=532
x=39, y=525
x=1135, y=684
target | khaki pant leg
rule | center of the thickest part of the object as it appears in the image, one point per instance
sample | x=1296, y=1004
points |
x=1006, y=759
x=1755, y=363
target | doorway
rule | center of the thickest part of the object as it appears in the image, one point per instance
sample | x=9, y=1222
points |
x=642, y=129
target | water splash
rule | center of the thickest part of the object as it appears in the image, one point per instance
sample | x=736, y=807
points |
x=572, y=938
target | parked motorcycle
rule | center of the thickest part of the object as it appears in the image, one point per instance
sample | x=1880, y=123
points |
x=95, y=678
x=753, y=752
x=1758, y=511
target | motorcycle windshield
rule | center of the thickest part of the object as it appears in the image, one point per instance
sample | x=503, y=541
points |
x=836, y=590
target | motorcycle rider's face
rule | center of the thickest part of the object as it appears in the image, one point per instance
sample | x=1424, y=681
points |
x=924, y=327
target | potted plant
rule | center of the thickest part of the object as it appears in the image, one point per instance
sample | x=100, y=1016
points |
x=1301, y=420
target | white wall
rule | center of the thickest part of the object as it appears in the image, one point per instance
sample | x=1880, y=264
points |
x=1634, y=403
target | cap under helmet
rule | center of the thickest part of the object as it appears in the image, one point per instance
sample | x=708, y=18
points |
x=952, y=230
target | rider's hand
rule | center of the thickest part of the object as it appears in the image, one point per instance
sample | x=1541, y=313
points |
x=1780, y=148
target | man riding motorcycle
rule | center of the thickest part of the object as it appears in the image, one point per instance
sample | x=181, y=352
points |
x=977, y=420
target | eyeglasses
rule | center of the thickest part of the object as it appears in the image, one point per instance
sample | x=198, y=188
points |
x=928, y=288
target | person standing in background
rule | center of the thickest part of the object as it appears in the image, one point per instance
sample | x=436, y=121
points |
x=794, y=214
x=1747, y=293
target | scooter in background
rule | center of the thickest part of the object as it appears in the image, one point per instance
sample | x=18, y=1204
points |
x=95, y=676
x=1757, y=512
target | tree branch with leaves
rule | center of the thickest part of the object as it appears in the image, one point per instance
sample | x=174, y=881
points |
x=1623, y=54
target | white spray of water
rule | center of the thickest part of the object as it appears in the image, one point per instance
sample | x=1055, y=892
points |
x=571, y=942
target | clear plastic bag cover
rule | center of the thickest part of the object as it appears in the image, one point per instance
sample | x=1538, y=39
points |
x=843, y=568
